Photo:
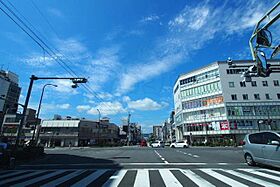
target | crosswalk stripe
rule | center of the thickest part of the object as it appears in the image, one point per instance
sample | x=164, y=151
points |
x=87, y=180
x=270, y=171
x=262, y=174
x=197, y=179
x=115, y=180
x=223, y=178
x=63, y=179
x=11, y=174
x=21, y=177
x=37, y=179
x=142, y=178
x=169, y=178
x=250, y=178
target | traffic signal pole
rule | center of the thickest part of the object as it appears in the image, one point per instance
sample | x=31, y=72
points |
x=75, y=81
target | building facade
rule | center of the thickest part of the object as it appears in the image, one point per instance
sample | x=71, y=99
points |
x=157, y=132
x=213, y=103
x=78, y=132
x=10, y=91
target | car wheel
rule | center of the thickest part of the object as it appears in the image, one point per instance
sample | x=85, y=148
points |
x=185, y=146
x=249, y=160
x=172, y=146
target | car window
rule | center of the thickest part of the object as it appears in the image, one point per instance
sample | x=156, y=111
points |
x=257, y=138
x=180, y=142
x=269, y=137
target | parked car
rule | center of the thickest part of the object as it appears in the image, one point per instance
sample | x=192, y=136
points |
x=183, y=144
x=157, y=144
x=262, y=148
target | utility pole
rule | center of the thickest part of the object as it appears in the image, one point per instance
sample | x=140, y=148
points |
x=128, y=129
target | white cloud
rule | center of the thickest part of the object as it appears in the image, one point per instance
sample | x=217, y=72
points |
x=55, y=12
x=82, y=108
x=149, y=70
x=39, y=60
x=103, y=67
x=150, y=18
x=145, y=104
x=64, y=86
x=187, y=34
x=63, y=106
x=107, y=108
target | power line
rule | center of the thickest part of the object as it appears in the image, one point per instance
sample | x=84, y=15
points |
x=56, y=58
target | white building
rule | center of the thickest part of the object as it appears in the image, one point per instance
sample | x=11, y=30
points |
x=213, y=103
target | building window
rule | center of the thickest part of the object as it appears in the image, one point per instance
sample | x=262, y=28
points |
x=276, y=82
x=257, y=96
x=234, y=97
x=278, y=95
x=245, y=97
x=267, y=96
x=231, y=84
x=254, y=83
x=242, y=84
x=264, y=83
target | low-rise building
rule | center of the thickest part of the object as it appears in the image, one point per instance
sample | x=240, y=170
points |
x=78, y=132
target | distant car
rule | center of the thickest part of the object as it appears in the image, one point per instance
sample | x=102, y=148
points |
x=262, y=148
x=143, y=143
x=182, y=144
x=157, y=144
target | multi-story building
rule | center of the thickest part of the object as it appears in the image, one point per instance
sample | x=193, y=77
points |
x=11, y=124
x=78, y=132
x=167, y=131
x=157, y=132
x=213, y=103
x=135, y=133
x=10, y=92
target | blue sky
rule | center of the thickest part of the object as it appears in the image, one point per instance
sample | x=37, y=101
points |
x=131, y=51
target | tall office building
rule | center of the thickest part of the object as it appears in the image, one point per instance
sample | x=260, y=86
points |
x=10, y=91
x=213, y=103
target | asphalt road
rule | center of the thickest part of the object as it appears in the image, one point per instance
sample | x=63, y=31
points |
x=140, y=166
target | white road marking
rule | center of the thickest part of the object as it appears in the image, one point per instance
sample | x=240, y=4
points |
x=115, y=180
x=250, y=178
x=222, y=178
x=21, y=177
x=262, y=174
x=63, y=179
x=87, y=180
x=197, y=179
x=272, y=171
x=169, y=178
x=37, y=179
x=13, y=173
x=196, y=156
x=142, y=178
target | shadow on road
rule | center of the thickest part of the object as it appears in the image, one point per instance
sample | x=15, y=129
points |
x=66, y=161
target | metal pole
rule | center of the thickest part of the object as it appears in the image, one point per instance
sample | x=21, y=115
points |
x=39, y=109
x=22, y=121
x=128, y=127
x=98, y=126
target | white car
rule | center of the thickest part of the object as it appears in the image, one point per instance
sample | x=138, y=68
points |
x=263, y=148
x=157, y=144
x=182, y=144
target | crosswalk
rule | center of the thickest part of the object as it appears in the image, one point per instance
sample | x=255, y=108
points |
x=174, y=177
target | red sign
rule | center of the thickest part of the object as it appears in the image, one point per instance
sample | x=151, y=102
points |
x=224, y=125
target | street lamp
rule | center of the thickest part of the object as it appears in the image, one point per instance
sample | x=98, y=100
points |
x=39, y=108
x=98, y=126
